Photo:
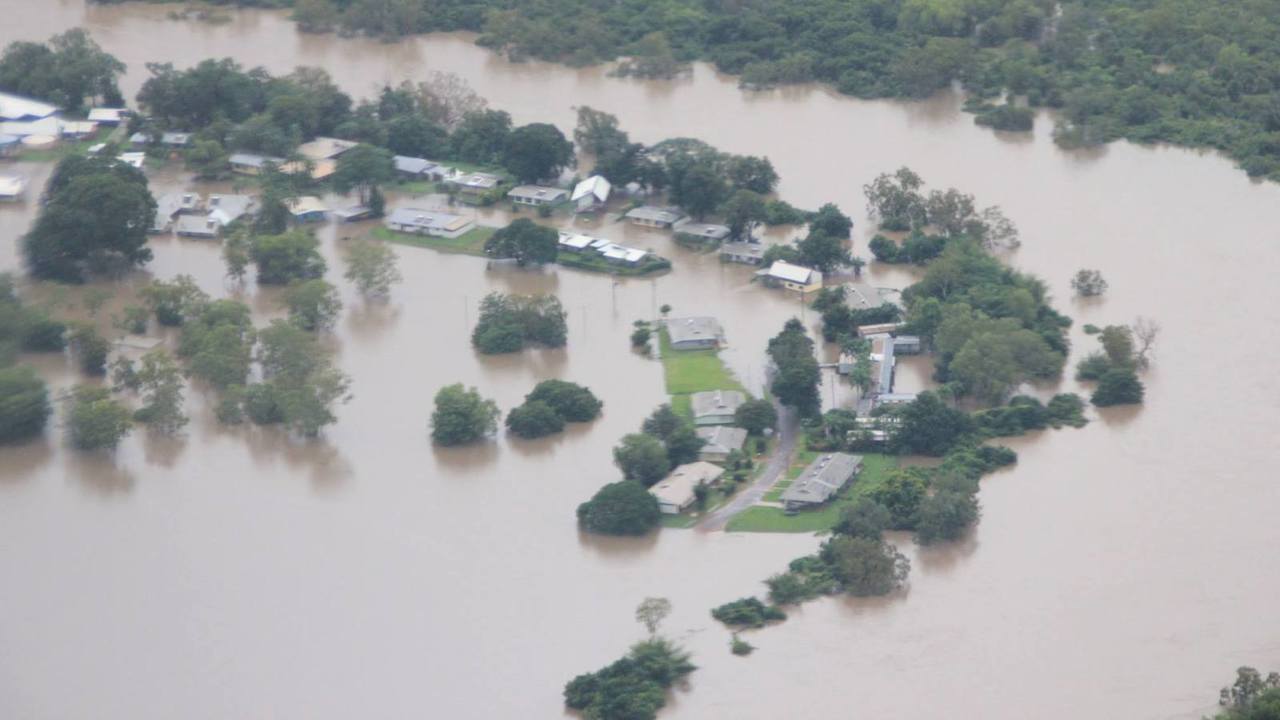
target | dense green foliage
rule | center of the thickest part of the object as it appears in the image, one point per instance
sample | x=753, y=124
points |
x=71, y=71
x=1251, y=696
x=24, y=404
x=313, y=304
x=299, y=383
x=534, y=419
x=462, y=416
x=676, y=433
x=620, y=508
x=795, y=383
x=96, y=420
x=633, y=688
x=160, y=381
x=217, y=344
x=509, y=322
x=571, y=401
x=748, y=612
x=24, y=328
x=288, y=257
x=1115, y=368
x=524, y=241
x=642, y=457
x=372, y=268
x=755, y=416
x=95, y=219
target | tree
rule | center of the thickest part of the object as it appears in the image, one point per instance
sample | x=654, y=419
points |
x=90, y=349
x=822, y=251
x=173, y=301
x=160, y=381
x=928, y=426
x=313, y=305
x=756, y=174
x=1251, y=697
x=796, y=381
x=316, y=16
x=620, y=508
x=235, y=253
x=700, y=191
x=597, y=132
x=901, y=494
x=363, y=168
x=1088, y=283
x=208, y=159
x=508, y=322
x=537, y=151
x=1118, y=386
x=525, y=241
x=642, y=458
x=830, y=221
x=743, y=211
x=70, y=71
x=896, y=200
x=949, y=511
x=1117, y=343
x=865, y=519
x=866, y=567
x=96, y=421
x=298, y=379
x=755, y=416
x=1145, y=331
x=24, y=404
x=651, y=612
x=95, y=219
x=650, y=57
x=462, y=416
x=534, y=419
x=481, y=136
x=218, y=344
x=372, y=268
x=282, y=259
x=571, y=401
x=677, y=434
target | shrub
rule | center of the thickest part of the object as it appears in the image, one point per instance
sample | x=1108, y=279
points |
x=1118, y=386
x=571, y=401
x=24, y=404
x=534, y=419
x=620, y=508
x=747, y=612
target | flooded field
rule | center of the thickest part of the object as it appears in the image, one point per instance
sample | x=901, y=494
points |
x=1122, y=570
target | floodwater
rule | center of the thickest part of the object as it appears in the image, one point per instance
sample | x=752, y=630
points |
x=1122, y=570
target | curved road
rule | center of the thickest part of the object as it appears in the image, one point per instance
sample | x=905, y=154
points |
x=788, y=430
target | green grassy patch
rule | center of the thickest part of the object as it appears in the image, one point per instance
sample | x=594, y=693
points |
x=875, y=469
x=690, y=371
x=469, y=243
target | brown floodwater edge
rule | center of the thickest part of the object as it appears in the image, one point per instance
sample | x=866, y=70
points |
x=1122, y=570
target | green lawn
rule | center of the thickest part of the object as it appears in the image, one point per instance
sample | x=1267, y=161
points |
x=688, y=519
x=875, y=469
x=690, y=371
x=470, y=243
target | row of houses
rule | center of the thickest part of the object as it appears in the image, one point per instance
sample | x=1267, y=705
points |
x=33, y=123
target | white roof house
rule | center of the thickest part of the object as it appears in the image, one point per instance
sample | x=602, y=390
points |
x=48, y=126
x=654, y=216
x=306, y=205
x=136, y=159
x=12, y=187
x=794, y=277
x=475, y=181
x=17, y=107
x=537, y=194
x=592, y=192
x=623, y=254
x=428, y=222
x=694, y=332
x=575, y=241
x=675, y=492
x=707, y=231
x=200, y=226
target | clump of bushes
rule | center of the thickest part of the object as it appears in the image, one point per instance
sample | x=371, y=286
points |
x=509, y=322
x=552, y=404
x=620, y=508
x=748, y=612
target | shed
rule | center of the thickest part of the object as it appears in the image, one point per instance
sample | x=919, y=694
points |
x=307, y=209
x=353, y=213
x=821, y=480
x=720, y=440
x=591, y=194
x=793, y=277
x=715, y=407
x=694, y=333
x=654, y=217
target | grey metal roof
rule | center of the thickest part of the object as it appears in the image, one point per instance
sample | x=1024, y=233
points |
x=704, y=230
x=682, y=330
x=428, y=219
x=538, y=192
x=252, y=160
x=755, y=250
x=412, y=165
x=716, y=402
x=654, y=214
x=722, y=438
x=861, y=296
x=822, y=479
x=196, y=225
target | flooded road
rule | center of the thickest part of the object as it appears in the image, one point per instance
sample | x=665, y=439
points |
x=1122, y=570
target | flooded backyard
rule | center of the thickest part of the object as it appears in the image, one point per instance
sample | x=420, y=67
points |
x=1121, y=570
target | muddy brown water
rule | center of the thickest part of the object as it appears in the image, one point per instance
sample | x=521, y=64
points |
x=1123, y=570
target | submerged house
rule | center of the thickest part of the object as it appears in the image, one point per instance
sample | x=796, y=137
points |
x=694, y=333
x=821, y=480
x=197, y=226
x=653, y=217
x=591, y=194
x=676, y=492
x=716, y=407
x=12, y=187
x=226, y=209
x=792, y=277
x=108, y=116
x=537, y=195
x=472, y=187
x=17, y=108
x=324, y=148
x=746, y=253
x=719, y=441
x=307, y=209
x=861, y=296
x=428, y=222
x=706, y=232
x=171, y=205
x=420, y=168
x=250, y=164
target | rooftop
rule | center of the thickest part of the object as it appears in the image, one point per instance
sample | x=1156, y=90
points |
x=576, y=241
x=431, y=219
x=822, y=478
x=108, y=115
x=783, y=270
x=412, y=165
x=476, y=181
x=654, y=214
x=692, y=329
x=704, y=230
x=722, y=438
x=716, y=402
x=324, y=148
x=677, y=488
x=251, y=160
x=538, y=192
x=17, y=107
x=196, y=225
x=226, y=209
x=861, y=296
x=595, y=186
x=306, y=204
x=743, y=248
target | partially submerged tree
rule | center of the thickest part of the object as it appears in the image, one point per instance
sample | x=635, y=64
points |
x=372, y=268
x=1088, y=283
x=462, y=416
x=96, y=420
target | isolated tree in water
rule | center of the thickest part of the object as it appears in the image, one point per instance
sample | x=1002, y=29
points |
x=651, y=612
